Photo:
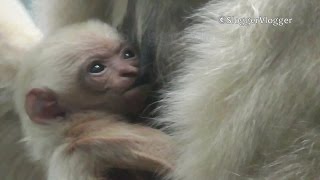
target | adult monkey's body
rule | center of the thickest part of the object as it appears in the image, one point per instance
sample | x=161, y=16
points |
x=246, y=103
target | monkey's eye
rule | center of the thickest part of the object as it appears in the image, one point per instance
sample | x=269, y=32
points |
x=128, y=53
x=96, y=68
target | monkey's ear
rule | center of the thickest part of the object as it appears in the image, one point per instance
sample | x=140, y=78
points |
x=41, y=106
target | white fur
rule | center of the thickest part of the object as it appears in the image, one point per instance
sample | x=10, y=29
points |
x=49, y=13
x=17, y=35
x=70, y=167
x=246, y=101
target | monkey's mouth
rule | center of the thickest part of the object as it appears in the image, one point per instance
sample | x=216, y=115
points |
x=136, y=97
x=137, y=90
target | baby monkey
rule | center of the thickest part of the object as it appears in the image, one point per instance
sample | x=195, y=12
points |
x=72, y=92
x=83, y=66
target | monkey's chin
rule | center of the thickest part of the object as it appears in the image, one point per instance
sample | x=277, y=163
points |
x=135, y=98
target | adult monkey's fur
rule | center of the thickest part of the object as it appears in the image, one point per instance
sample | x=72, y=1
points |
x=17, y=35
x=245, y=102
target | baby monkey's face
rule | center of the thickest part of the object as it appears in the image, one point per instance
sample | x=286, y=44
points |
x=108, y=76
x=109, y=70
x=115, y=71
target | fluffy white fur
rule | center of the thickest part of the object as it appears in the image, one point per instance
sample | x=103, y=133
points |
x=49, y=13
x=245, y=104
x=17, y=35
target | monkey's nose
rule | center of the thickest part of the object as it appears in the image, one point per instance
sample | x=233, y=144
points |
x=128, y=72
x=126, y=77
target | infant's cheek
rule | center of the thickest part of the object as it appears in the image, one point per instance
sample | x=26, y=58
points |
x=96, y=83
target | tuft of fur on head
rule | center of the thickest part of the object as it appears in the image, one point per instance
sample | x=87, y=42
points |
x=53, y=64
x=247, y=97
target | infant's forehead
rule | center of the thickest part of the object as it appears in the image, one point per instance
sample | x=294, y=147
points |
x=96, y=43
x=98, y=39
x=82, y=40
